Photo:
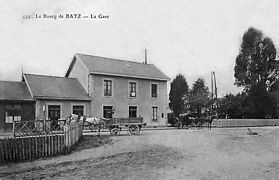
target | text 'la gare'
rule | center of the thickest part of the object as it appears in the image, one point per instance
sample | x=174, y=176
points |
x=78, y=16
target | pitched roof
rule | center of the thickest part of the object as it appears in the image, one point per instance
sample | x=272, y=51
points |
x=52, y=87
x=116, y=67
x=10, y=90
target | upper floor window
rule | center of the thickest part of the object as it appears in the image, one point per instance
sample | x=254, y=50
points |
x=107, y=87
x=133, y=111
x=154, y=90
x=133, y=89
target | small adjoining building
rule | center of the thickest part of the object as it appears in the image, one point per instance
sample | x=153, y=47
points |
x=57, y=97
x=120, y=88
x=16, y=104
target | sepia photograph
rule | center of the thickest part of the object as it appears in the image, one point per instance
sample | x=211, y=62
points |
x=147, y=89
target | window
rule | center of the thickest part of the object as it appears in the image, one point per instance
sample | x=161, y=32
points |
x=54, y=112
x=154, y=90
x=132, y=111
x=78, y=110
x=133, y=89
x=107, y=87
x=12, y=113
x=154, y=113
x=107, y=111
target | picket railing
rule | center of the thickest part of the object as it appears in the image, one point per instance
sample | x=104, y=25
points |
x=38, y=127
x=245, y=122
x=16, y=149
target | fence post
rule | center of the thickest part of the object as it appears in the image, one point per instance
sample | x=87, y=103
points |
x=14, y=133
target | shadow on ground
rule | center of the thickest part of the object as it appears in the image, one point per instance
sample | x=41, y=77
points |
x=92, y=141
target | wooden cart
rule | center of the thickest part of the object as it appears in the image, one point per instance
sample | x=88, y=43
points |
x=115, y=125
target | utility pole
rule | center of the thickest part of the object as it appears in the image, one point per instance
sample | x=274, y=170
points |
x=214, y=95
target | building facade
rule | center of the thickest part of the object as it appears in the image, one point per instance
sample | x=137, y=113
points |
x=119, y=88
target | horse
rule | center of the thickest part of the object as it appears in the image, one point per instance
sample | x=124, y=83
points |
x=184, y=119
x=93, y=123
x=208, y=119
x=73, y=118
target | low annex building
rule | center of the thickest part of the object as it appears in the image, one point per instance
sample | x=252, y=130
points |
x=40, y=97
x=120, y=88
x=57, y=97
x=16, y=104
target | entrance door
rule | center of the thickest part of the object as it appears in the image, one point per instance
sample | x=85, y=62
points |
x=54, y=115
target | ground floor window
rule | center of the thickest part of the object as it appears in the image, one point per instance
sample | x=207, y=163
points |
x=78, y=110
x=107, y=111
x=154, y=113
x=133, y=111
x=54, y=112
x=12, y=113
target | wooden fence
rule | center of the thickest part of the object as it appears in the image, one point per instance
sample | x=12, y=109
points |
x=245, y=122
x=32, y=147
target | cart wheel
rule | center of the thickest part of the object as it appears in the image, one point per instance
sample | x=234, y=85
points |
x=91, y=127
x=114, y=131
x=199, y=126
x=134, y=129
x=103, y=125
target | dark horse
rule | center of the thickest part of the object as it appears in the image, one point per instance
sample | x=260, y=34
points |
x=184, y=120
x=208, y=119
x=190, y=120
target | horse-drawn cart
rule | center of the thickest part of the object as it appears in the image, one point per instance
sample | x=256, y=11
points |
x=115, y=125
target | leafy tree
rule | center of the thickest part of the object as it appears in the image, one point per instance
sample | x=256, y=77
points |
x=235, y=106
x=254, y=63
x=199, y=97
x=179, y=91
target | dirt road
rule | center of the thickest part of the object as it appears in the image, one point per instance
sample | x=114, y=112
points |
x=163, y=154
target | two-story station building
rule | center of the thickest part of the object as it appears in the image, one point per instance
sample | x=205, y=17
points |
x=126, y=88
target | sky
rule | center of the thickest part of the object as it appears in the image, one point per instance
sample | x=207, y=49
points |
x=191, y=37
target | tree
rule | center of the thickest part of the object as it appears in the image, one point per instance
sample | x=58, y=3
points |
x=254, y=63
x=179, y=91
x=235, y=106
x=199, y=97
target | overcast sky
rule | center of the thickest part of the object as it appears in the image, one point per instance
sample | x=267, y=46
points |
x=192, y=37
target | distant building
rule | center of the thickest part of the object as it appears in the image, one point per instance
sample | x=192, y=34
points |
x=119, y=88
